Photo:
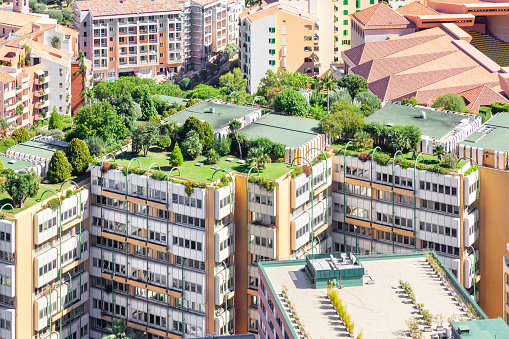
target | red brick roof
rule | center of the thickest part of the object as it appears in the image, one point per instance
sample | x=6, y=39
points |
x=481, y=96
x=380, y=16
x=416, y=8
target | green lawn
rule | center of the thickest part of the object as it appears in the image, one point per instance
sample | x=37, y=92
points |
x=5, y=198
x=202, y=174
x=426, y=159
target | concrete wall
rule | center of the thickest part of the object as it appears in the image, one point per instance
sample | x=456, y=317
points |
x=499, y=26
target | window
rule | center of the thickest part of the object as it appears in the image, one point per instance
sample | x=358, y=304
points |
x=345, y=22
x=272, y=41
x=272, y=62
x=283, y=41
x=345, y=32
x=272, y=30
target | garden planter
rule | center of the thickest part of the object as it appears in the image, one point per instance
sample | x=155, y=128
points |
x=440, y=328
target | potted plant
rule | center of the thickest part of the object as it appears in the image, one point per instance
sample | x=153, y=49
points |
x=439, y=319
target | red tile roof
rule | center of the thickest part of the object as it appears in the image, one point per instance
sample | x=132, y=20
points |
x=481, y=96
x=380, y=16
x=424, y=64
x=416, y=8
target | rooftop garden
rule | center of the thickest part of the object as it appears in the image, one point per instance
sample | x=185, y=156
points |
x=202, y=174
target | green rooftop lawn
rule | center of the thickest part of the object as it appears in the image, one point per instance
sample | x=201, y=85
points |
x=5, y=198
x=426, y=159
x=202, y=174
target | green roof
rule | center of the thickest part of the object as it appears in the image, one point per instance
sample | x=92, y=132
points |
x=172, y=100
x=437, y=124
x=37, y=148
x=16, y=165
x=481, y=329
x=289, y=130
x=223, y=113
x=493, y=135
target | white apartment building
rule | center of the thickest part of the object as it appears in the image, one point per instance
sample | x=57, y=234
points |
x=129, y=37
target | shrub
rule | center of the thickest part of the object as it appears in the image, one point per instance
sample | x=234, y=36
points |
x=223, y=146
x=485, y=113
x=471, y=170
x=176, y=158
x=406, y=164
x=192, y=147
x=296, y=172
x=451, y=102
x=362, y=139
x=55, y=133
x=56, y=14
x=20, y=135
x=449, y=161
x=59, y=168
x=158, y=175
x=278, y=150
x=190, y=185
x=382, y=159
x=163, y=142
x=78, y=154
x=212, y=157
x=497, y=107
x=95, y=144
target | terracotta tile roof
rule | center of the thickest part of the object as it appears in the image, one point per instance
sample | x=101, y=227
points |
x=23, y=75
x=17, y=19
x=380, y=16
x=424, y=64
x=481, y=96
x=5, y=78
x=459, y=1
x=117, y=7
x=68, y=31
x=263, y=13
x=416, y=8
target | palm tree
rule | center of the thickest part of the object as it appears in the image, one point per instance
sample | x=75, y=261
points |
x=234, y=127
x=439, y=152
x=327, y=83
x=118, y=330
x=5, y=126
x=258, y=158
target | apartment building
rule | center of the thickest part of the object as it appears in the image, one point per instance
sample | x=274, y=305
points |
x=44, y=280
x=294, y=300
x=128, y=37
x=390, y=208
x=306, y=28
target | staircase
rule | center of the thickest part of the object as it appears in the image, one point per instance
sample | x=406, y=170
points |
x=494, y=48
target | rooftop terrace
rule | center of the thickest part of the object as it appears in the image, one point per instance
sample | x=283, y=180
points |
x=380, y=309
x=203, y=174
x=14, y=164
x=219, y=119
x=437, y=124
x=289, y=130
x=493, y=135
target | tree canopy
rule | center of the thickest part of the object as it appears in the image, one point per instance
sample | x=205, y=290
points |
x=99, y=119
x=20, y=186
x=451, y=102
x=290, y=101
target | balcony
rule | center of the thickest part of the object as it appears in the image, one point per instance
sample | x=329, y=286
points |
x=41, y=80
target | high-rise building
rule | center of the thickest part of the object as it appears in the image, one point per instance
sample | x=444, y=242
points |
x=129, y=37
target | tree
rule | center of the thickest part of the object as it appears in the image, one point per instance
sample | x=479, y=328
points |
x=327, y=83
x=230, y=49
x=78, y=155
x=59, y=168
x=451, y=102
x=339, y=94
x=223, y=146
x=192, y=123
x=192, y=102
x=145, y=135
x=351, y=120
x=396, y=140
x=203, y=91
x=20, y=186
x=82, y=72
x=354, y=84
x=257, y=157
x=235, y=79
x=208, y=136
x=413, y=135
x=292, y=102
x=95, y=144
x=317, y=112
x=234, y=126
x=128, y=109
x=118, y=330
x=99, y=119
x=20, y=135
x=163, y=142
x=176, y=158
x=331, y=126
x=147, y=106
x=439, y=151
x=55, y=120
x=411, y=101
x=5, y=126
x=192, y=147
x=368, y=98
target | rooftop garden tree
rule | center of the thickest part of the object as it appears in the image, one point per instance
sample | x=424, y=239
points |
x=78, y=155
x=192, y=147
x=144, y=136
x=128, y=109
x=257, y=157
x=95, y=144
x=439, y=152
x=327, y=83
x=208, y=136
x=59, y=168
x=99, y=119
x=20, y=186
x=55, y=120
x=351, y=119
x=20, y=135
x=212, y=157
x=176, y=158
x=234, y=128
x=339, y=94
x=223, y=146
x=147, y=105
x=331, y=126
x=411, y=101
x=451, y=102
x=368, y=98
x=203, y=91
x=354, y=84
x=290, y=101
x=192, y=123
x=192, y=102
